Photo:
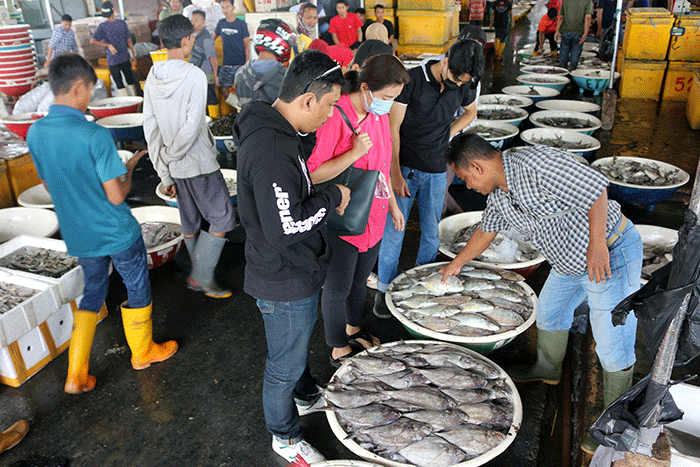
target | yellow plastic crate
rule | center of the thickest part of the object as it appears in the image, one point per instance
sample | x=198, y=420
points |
x=22, y=174
x=6, y=198
x=425, y=27
x=159, y=55
x=692, y=108
x=370, y=4
x=417, y=49
x=686, y=48
x=642, y=79
x=389, y=13
x=678, y=82
x=647, y=34
x=432, y=5
x=454, y=23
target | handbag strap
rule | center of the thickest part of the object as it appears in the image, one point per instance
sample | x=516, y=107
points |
x=345, y=117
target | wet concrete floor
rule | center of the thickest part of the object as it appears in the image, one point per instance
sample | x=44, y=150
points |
x=202, y=407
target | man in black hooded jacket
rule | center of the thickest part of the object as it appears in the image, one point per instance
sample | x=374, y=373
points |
x=286, y=245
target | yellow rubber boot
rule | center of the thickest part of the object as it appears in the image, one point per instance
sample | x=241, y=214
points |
x=13, y=435
x=214, y=111
x=78, y=379
x=138, y=328
x=503, y=47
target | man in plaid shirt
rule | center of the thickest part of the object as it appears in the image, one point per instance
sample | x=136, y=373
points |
x=562, y=207
x=62, y=40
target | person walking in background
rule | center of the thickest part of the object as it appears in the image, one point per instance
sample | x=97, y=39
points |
x=476, y=12
x=88, y=184
x=546, y=30
x=346, y=28
x=175, y=7
x=62, y=40
x=572, y=30
x=358, y=134
x=204, y=56
x=236, y=43
x=183, y=153
x=115, y=36
x=286, y=249
x=502, y=21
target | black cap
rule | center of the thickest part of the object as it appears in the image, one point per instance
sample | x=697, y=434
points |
x=474, y=33
x=107, y=9
x=369, y=48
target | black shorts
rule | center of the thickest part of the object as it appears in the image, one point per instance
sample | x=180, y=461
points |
x=501, y=34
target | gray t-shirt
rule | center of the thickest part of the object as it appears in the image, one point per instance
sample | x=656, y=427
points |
x=574, y=13
x=203, y=50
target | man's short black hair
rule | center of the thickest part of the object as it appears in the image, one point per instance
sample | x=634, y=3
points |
x=344, y=2
x=173, y=29
x=552, y=13
x=68, y=18
x=466, y=56
x=465, y=148
x=360, y=11
x=66, y=69
x=306, y=69
x=473, y=32
x=378, y=6
x=200, y=13
x=308, y=6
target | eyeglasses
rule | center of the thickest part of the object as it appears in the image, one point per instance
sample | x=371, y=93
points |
x=321, y=76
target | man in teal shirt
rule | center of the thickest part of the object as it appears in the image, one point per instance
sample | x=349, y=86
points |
x=78, y=163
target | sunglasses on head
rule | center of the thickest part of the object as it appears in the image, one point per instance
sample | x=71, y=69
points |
x=321, y=76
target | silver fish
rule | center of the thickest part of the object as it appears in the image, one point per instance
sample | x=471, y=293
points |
x=449, y=357
x=506, y=294
x=394, y=436
x=377, y=365
x=468, y=331
x=451, y=300
x=403, y=379
x=353, y=398
x=419, y=301
x=452, y=377
x=439, y=419
x=435, y=324
x=476, y=306
x=433, y=451
x=481, y=274
x=369, y=415
x=424, y=397
x=476, y=321
x=508, y=305
x=468, y=396
x=473, y=439
x=482, y=413
x=473, y=285
x=12, y=295
x=41, y=261
x=504, y=317
x=437, y=311
x=157, y=233
x=434, y=284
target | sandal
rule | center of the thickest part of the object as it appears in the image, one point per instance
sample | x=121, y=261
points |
x=337, y=362
x=364, y=335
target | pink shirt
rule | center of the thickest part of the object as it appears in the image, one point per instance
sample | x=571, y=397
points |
x=335, y=138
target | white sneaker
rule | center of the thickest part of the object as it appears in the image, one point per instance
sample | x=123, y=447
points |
x=372, y=281
x=307, y=407
x=303, y=449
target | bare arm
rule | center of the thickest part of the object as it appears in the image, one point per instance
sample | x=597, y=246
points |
x=398, y=183
x=246, y=46
x=215, y=69
x=111, y=48
x=335, y=38
x=557, y=34
x=48, y=57
x=599, y=19
x=598, y=256
x=118, y=188
x=586, y=28
x=464, y=120
x=131, y=47
x=541, y=35
x=359, y=34
x=477, y=244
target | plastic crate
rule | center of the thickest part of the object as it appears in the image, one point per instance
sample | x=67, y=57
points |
x=678, y=82
x=642, y=79
x=6, y=197
x=425, y=27
x=647, y=33
x=22, y=174
x=432, y=5
x=686, y=48
x=418, y=49
x=159, y=55
x=692, y=108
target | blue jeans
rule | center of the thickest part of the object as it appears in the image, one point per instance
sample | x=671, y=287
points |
x=131, y=264
x=288, y=328
x=570, y=45
x=562, y=294
x=429, y=190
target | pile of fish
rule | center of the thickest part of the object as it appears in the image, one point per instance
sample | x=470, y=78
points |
x=655, y=257
x=507, y=101
x=544, y=70
x=224, y=125
x=487, y=131
x=639, y=173
x=425, y=404
x=559, y=143
x=532, y=91
x=475, y=303
x=13, y=149
x=507, y=247
x=12, y=295
x=570, y=123
x=41, y=261
x=499, y=114
x=158, y=233
x=107, y=105
x=544, y=80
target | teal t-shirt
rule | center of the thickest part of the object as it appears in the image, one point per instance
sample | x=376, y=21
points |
x=75, y=157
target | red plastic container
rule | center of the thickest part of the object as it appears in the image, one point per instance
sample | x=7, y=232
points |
x=115, y=106
x=21, y=54
x=17, y=64
x=18, y=76
x=16, y=88
x=30, y=66
x=19, y=124
x=14, y=42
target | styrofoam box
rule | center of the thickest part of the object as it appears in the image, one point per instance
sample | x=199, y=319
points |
x=69, y=286
x=26, y=316
x=61, y=325
x=33, y=349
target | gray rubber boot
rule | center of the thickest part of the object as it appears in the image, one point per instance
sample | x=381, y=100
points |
x=206, y=255
x=614, y=385
x=551, y=348
x=380, y=309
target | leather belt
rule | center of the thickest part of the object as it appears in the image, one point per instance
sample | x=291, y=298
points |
x=618, y=231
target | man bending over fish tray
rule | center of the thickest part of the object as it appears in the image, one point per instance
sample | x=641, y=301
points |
x=78, y=163
x=595, y=252
x=183, y=152
x=422, y=124
x=286, y=250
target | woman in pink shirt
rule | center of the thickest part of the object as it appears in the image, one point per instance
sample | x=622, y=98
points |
x=372, y=92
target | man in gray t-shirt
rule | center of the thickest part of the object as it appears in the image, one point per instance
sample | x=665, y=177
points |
x=204, y=56
x=572, y=30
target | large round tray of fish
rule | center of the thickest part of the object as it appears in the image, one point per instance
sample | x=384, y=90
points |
x=423, y=403
x=478, y=306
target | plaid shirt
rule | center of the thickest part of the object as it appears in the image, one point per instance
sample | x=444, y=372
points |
x=549, y=196
x=63, y=41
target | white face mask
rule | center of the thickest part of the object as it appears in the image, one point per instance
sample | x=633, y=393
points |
x=378, y=106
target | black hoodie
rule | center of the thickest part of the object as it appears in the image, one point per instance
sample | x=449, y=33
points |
x=286, y=250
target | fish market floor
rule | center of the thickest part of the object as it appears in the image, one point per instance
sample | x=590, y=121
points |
x=202, y=407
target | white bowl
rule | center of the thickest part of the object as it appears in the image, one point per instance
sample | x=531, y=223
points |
x=499, y=142
x=570, y=136
x=551, y=81
x=683, y=176
x=522, y=90
x=505, y=99
x=544, y=70
x=568, y=105
x=595, y=122
x=27, y=221
x=36, y=197
x=513, y=121
x=160, y=254
x=477, y=461
x=344, y=463
x=122, y=121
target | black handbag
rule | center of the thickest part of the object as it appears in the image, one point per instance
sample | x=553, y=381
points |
x=362, y=185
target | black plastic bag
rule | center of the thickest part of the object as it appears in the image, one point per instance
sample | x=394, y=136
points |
x=606, y=48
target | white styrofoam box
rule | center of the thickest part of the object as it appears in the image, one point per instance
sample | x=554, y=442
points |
x=61, y=325
x=33, y=347
x=26, y=316
x=7, y=369
x=70, y=285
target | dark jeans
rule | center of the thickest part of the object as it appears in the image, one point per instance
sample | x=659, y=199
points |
x=116, y=72
x=570, y=45
x=131, y=264
x=548, y=37
x=288, y=328
x=345, y=289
